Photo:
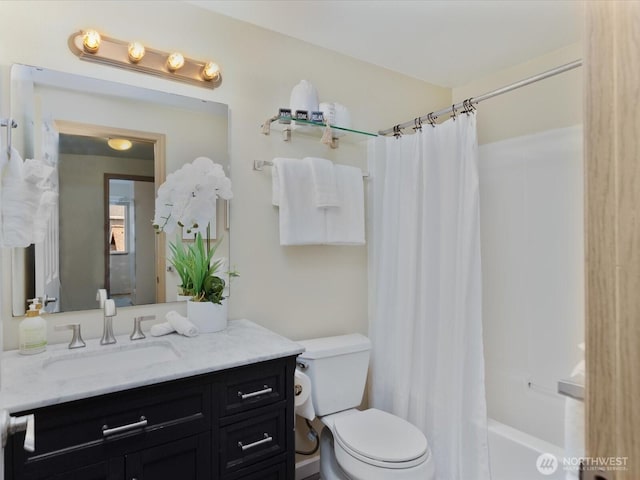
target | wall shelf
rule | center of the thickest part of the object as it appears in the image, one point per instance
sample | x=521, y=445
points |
x=288, y=124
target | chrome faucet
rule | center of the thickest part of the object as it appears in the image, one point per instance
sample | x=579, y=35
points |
x=76, y=340
x=109, y=313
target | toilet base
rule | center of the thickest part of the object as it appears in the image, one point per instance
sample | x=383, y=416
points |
x=329, y=468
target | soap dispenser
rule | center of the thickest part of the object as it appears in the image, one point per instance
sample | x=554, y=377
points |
x=32, y=331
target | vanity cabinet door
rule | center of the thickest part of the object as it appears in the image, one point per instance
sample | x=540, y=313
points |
x=186, y=459
x=108, y=470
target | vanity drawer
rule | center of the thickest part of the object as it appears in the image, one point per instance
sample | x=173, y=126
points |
x=251, y=387
x=75, y=431
x=272, y=469
x=253, y=439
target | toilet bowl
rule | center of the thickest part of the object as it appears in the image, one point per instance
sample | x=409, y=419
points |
x=358, y=444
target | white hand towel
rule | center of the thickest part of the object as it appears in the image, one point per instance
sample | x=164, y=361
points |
x=324, y=182
x=301, y=222
x=161, y=329
x=275, y=179
x=17, y=215
x=182, y=325
x=345, y=225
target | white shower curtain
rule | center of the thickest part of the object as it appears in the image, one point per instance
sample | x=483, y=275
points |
x=425, y=291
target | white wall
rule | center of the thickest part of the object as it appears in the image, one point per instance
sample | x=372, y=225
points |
x=299, y=292
x=531, y=209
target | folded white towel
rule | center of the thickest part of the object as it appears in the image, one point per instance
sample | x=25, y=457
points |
x=324, y=182
x=161, y=329
x=275, y=179
x=345, y=225
x=181, y=324
x=301, y=222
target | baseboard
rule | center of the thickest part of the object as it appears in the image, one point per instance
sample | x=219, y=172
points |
x=308, y=467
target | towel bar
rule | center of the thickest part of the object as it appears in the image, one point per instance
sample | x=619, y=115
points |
x=260, y=164
x=571, y=388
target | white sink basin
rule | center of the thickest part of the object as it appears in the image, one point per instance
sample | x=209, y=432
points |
x=109, y=358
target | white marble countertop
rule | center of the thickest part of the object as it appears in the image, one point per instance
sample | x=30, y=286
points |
x=28, y=382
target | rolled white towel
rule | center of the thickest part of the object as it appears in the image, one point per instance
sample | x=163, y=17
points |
x=182, y=325
x=161, y=329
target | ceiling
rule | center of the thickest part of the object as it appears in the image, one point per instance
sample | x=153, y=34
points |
x=447, y=43
x=97, y=146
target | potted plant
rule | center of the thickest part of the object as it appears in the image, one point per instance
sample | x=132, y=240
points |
x=187, y=199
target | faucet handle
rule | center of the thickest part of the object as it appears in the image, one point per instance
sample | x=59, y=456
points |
x=109, y=308
x=137, y=330
x=76, y=340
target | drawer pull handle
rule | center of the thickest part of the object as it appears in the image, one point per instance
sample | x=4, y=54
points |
x=267, y=438
x=106, y=431
x=266, y=389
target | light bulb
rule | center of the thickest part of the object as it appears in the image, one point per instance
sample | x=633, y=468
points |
x=136, y=51
x=210, y=71
x=91, y=41
x=119, y=143
x=175, y=61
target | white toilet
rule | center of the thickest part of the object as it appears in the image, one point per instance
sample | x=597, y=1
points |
x=358, y=445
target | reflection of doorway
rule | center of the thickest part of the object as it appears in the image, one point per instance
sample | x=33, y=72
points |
x=82, y=239
x=128, y=260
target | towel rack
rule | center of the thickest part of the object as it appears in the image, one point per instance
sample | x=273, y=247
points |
x=8, y=123
x=259, y=165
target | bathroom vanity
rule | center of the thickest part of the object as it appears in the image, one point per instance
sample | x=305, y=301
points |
x=217, y=406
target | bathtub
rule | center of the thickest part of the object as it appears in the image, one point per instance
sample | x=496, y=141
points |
x=513, y=454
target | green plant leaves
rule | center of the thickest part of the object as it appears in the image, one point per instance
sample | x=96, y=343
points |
x=198, y=274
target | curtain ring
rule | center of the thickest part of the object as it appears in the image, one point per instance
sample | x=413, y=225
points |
x=417, y=124
x=396, y=131
x=431, y=119
x=467, y=106
x=453, y=112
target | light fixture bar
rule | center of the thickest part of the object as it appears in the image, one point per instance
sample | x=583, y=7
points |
x=154, y=62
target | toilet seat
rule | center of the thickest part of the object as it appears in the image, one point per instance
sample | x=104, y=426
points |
x=380, y=439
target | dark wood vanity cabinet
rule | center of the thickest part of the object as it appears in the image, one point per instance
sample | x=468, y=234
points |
x=234, y=424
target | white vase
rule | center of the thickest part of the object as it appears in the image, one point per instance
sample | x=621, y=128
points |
x=208, y=317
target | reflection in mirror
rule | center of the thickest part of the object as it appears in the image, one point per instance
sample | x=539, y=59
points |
x=129, y=266
x=101, y=235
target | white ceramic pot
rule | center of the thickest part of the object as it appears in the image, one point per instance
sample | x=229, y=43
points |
x=208, y=317
x=183, y=298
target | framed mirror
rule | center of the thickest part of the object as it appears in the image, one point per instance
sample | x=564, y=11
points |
x=101, y=235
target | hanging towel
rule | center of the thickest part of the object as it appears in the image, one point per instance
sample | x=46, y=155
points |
x=324, y=182
x=301, y=222
x=275, y=179
x=16, y=212
x=345, y=225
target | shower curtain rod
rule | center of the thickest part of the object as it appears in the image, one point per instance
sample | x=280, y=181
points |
x=475, y=100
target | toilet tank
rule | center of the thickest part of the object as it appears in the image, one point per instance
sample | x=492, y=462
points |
x=337, y=368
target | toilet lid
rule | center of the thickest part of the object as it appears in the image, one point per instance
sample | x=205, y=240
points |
x=380, y=436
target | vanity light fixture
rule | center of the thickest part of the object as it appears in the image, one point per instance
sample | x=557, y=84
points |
x=91, y=46
x=120, y=144
x=91, y=41
x=175, y=61
x=135, y=51
x=210, y=71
